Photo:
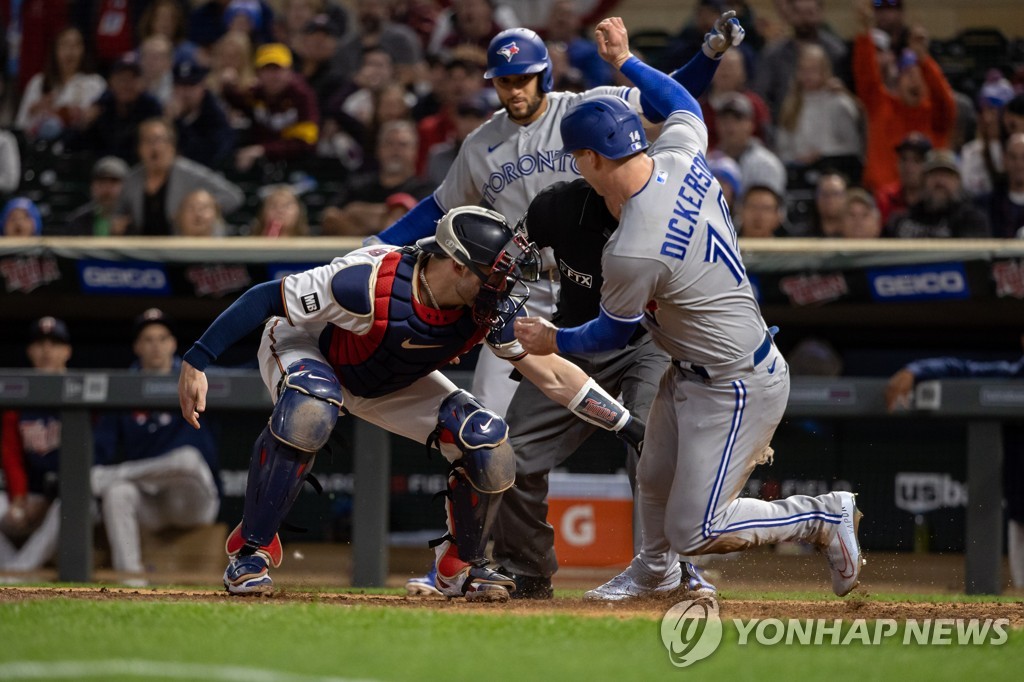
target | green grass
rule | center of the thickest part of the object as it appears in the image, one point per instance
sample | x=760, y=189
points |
x=362, y=642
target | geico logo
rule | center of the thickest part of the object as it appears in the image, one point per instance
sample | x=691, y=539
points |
x=578, y=527
x=132, y=278
x=948, y=282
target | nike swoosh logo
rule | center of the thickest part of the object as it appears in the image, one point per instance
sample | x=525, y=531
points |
x=408, y=344
x=317, y=377
x=491, y=149
x=488, y=424
x=771, y=367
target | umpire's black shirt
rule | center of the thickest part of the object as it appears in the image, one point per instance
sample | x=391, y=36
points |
x=573, y=220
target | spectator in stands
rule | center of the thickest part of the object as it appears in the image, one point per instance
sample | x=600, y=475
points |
x=375, y=73
x=943, y=210
x=922, y=101
x=829, y=205
x=735, y=120
x=469, y=22
x=374, y=29
x=206, y=23
x=201, y=124
x=564, y=26
x=30, y=456
x=470, y=114
x=360, y=210
x=231, y=62
x=464, y=70
x=819, y=118
x=21, y=218
x=167, y=18
x=156, y=59
x=729, y=176
x=114, y=119
x=1013, y=115
x=245, y=16
x=109, y=28
x=29, y=36
x=199, y=216
x=315, y=63
x=1006, y=203
x=889, y=19
x=154, y=470
x=58, y=97
x=282, y=215
x=10, y=163
x=898, y=394
x=861, y=218
x=730, y=78
x=154, y=189
x=981, y=159
x=897, y=196
x=762, y=212
x=97, y=218
x=283, y=111
x=778, y=62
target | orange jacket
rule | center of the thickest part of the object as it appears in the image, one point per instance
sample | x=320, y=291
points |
x=890, y=120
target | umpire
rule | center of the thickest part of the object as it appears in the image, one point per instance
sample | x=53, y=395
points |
x=572, y=219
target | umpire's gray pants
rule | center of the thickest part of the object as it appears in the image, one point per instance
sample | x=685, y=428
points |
x=543, y=436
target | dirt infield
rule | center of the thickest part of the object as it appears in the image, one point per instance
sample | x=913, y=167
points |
x=649, y=608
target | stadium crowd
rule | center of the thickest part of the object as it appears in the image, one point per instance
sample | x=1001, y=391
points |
x=308, y=117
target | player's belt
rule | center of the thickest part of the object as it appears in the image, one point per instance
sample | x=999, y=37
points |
x=729, y=370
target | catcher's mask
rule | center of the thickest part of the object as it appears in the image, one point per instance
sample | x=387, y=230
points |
x=480, y=238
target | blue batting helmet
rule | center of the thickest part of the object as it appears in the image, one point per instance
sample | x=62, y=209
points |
x=606, y=124
x=516, y=51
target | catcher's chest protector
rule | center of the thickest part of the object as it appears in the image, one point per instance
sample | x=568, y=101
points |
x=407, y=340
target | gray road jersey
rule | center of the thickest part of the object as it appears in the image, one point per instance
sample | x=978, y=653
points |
x=674, y=263
x=504, y=165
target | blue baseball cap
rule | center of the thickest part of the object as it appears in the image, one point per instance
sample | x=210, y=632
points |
x=23, y=204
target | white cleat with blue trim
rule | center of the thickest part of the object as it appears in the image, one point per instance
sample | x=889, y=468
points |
x=843, y=552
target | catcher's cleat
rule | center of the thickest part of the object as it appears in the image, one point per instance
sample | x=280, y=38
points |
x=695, y=584
x=249, y=575
x=423, y=586
x=456, y=578
x=635, y=583
x=843, y=552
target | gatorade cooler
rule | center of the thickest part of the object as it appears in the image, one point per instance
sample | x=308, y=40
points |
x=592, y=515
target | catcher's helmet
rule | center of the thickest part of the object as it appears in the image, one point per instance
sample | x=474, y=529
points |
x=475, y=237
x=516, y=51
x=605, y=124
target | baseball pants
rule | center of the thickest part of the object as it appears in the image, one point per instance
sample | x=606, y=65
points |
x=174, y=490
x=544, y=434
x=39, y=548
x=703, y=441
x=411, y=412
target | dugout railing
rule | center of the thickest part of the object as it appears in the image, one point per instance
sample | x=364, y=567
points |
x=982, y=404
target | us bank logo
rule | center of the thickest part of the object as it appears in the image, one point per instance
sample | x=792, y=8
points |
x=691, y=631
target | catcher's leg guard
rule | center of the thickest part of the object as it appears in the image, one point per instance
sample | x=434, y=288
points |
x=300, y=425
x=475, y=484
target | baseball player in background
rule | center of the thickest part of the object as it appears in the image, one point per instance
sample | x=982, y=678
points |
x=508, y=160
x=674, y=265
x=367, y=334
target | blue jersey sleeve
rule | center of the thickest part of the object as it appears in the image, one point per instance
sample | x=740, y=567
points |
x=418, y=223
x=244, y=315
x=664, y=95
x=601, y=333
x=695, y=75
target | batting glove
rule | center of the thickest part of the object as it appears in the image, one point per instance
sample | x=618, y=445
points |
x=727, y=32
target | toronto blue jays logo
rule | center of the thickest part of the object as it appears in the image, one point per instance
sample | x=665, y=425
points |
x=508, y=51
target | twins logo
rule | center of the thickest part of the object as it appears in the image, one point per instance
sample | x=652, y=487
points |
x=508, y=51
x=691, y=631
